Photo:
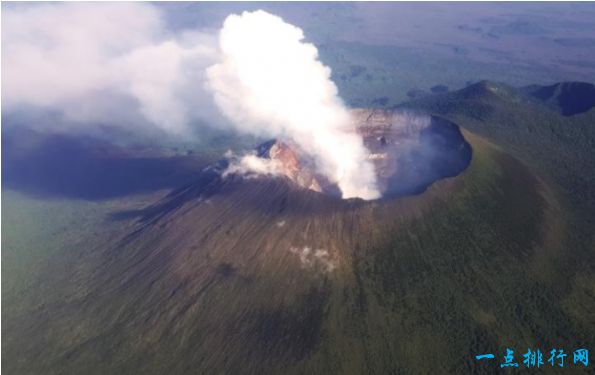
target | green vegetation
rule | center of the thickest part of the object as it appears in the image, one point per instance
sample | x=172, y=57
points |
x=499, y=256
x=560, y=148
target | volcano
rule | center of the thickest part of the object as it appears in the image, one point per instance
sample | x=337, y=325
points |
x=210, y=265
x=470, y=250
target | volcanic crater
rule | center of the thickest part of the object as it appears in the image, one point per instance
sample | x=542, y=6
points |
x=409, y=152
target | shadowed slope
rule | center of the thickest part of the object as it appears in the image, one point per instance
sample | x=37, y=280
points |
x=570, y=98
x=62, y=166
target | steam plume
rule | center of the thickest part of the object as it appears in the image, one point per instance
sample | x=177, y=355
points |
x=134, y=72
x=270, y=82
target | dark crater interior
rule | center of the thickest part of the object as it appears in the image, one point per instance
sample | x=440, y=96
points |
x=410, y=151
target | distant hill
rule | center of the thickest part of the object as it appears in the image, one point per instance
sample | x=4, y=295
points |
x=569, y=98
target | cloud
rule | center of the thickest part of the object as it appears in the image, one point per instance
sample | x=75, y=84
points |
x=270, y=82
x=97, y=62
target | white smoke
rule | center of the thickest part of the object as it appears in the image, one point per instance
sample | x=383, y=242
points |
x=250, y=164
x=110, y=63
x=310, y=258
x=270, y=82
x=118, y=64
